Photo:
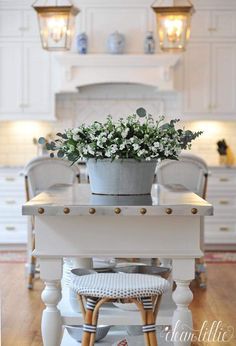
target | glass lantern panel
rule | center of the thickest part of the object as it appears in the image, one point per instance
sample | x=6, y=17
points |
x=174, y=30
x=70, y=31
x=54, y=30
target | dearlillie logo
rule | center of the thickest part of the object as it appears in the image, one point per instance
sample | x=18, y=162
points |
x=216, y=331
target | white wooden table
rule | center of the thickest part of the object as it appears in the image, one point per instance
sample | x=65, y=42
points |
x=70, y=222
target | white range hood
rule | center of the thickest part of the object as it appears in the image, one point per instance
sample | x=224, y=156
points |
x=75, y=71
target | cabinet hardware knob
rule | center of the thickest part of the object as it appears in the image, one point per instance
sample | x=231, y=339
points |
x=224, y=179
x=143, y=211
x=66, y=210
x=117, y=210
x=40, y=210
x=169, y=211
x=194, y=211
x=224, y=229
x=10, y=228
x=9, y=201
x=10, y=179
x=92, y=211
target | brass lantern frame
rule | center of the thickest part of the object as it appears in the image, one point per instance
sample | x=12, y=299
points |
x=176, y=9
x=69, y=10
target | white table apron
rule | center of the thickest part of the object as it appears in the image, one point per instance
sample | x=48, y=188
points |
x=175, y=237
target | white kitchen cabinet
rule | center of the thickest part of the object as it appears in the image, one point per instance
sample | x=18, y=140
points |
x=223, y=24
x=209, y=74
x=201, y=24
x=11, y=78
x=220, y=230
x=223, y=78
x=196, y=91
x=30, y=24
x=13, y=226
x=11, y=23
x=26, y=82
x=18, y=24
x=213, y=24
x=38, y=95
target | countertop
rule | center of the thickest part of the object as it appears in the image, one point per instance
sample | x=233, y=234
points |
x=77, y=199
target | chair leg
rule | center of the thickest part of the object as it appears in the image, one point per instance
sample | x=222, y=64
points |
x=148, y=317
x=89, y=328
x=32, y=265
x=200, y=272
x=149, y=327
x=95, y=318
x=91, y=318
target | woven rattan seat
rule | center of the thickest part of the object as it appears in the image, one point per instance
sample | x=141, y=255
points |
x=119, y=285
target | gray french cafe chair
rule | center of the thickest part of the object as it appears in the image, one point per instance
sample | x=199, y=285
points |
x=40, y=174
x=192, y=172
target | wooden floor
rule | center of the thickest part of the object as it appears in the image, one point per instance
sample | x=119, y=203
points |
x=21, y=309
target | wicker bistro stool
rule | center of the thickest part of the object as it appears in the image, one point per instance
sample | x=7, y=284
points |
x=143, y=290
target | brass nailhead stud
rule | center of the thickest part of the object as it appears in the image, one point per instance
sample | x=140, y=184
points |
x=169, y=211
x=66, y=210
x=117, y=210
x=194, y=211
x=143, y=211
x=40, y=210
x=92, y=211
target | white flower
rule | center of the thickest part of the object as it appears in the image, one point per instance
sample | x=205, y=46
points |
x=75, y=131
x=108, y=153
x=76, y=137
x=136, y=146
x=90, y=150
x=113, y=148
x=125, y=133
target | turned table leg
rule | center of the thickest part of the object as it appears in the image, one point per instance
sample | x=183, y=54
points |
x=182, y=324
x=51, y=325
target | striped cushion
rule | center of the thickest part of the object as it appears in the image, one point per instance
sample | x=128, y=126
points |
x=118, y=285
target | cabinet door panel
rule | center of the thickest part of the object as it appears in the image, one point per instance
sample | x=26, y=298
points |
x=11, y=23
x=223, y=24
x=197, y=78
x=31, y=28
x=37, y=79
x=224, y=77
x=201, y=24
x=10, y=78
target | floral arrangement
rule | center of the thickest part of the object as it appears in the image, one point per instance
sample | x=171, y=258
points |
x=137, y=137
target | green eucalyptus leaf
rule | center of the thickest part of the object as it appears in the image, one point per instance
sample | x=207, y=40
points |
x=42, y=140
x=141, y=112
x=60, y=153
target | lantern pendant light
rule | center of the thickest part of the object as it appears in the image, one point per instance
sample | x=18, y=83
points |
x=173, y=19
x=56, y=24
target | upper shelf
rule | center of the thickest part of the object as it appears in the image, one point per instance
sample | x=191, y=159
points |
x=119, y=60
x=80, y=70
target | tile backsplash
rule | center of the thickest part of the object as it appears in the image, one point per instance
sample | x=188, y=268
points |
x=16, y=137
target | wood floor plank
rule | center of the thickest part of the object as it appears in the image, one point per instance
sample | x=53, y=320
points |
x=21, y=308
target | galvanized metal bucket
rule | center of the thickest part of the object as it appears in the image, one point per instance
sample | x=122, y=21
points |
x=121, y=177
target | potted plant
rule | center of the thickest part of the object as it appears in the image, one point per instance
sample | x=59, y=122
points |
x=122, y=155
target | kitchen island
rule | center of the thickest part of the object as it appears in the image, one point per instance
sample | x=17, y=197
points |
x=72, y=222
